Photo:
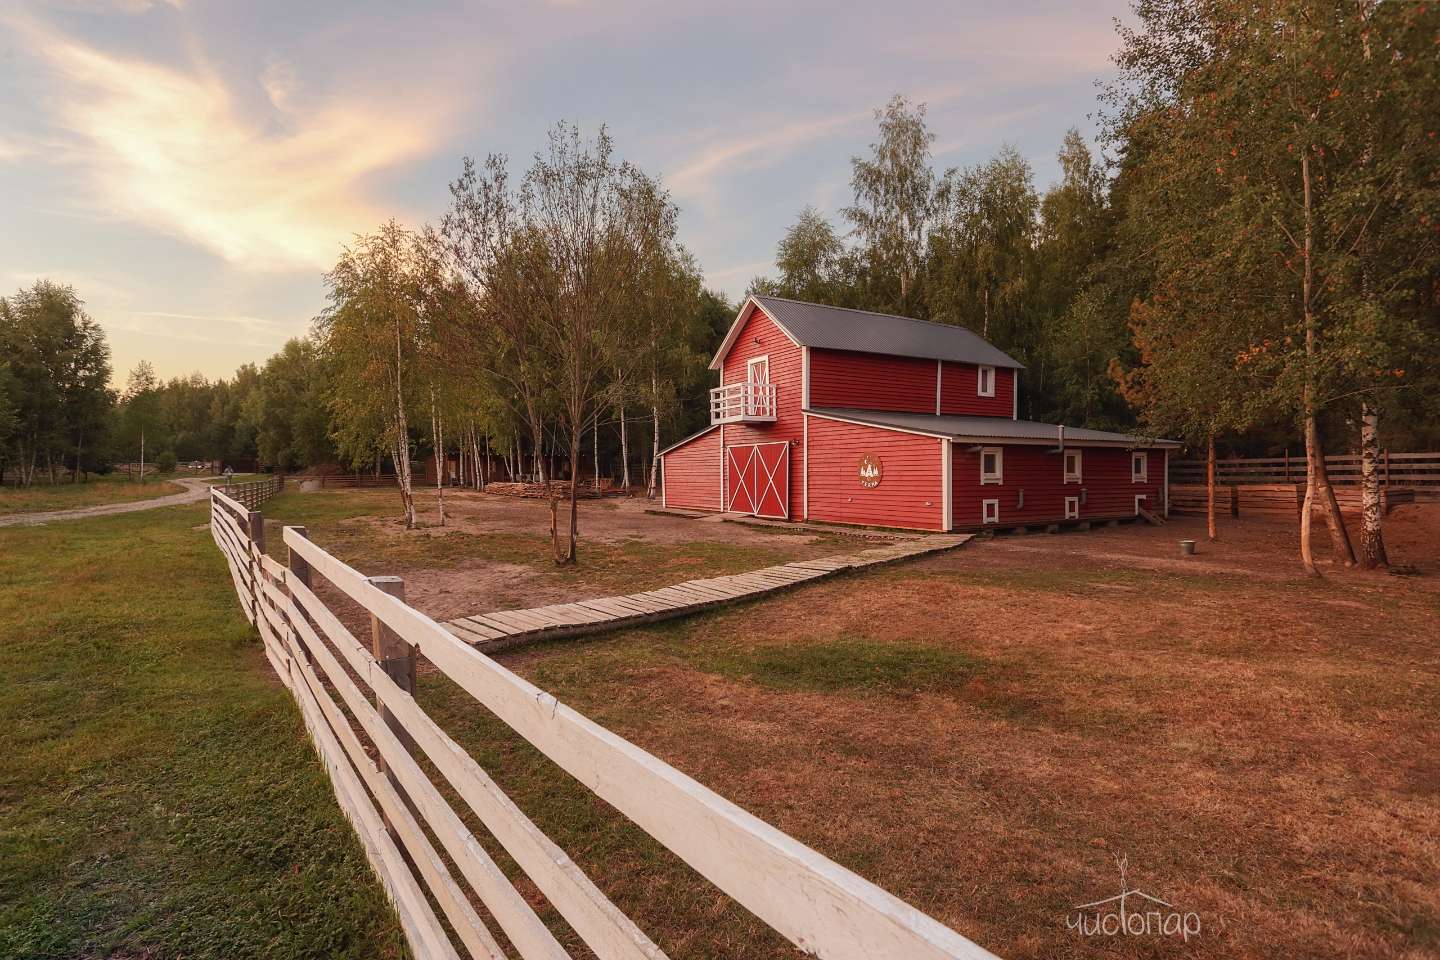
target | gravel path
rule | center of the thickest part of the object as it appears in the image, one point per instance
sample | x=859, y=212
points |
x=195, y=489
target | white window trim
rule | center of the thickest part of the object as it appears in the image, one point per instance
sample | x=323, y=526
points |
x=1139, y=497
x=980, y=390
x=999, y=475
x=1072, y=508
x=986, y=506
x=750, y=366
x=1079, y=465
x=1142, y=458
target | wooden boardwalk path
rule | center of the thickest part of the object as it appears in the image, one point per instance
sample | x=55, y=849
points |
x=502, y=628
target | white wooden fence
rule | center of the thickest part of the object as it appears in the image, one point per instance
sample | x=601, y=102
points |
x=401, y=815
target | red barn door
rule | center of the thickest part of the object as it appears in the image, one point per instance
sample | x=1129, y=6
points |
x=757, y=479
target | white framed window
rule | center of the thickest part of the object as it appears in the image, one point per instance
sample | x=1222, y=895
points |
x=1139, y=503
x=1072, y=508
x=1072, y=466
x=1139, y=467
x=992, y=465
x=985, y=381
x=989, y=511
x=757, y=369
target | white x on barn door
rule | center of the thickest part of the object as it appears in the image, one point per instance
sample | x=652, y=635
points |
x=758, y=479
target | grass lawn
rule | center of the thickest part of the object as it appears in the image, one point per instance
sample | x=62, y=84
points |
x=112, y=488
x=158, y=794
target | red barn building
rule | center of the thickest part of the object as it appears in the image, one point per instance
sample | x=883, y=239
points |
x=845, y=416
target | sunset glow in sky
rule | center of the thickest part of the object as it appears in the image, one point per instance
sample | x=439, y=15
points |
x=192, y=167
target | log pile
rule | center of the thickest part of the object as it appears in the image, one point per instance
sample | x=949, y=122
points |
x=541, y=491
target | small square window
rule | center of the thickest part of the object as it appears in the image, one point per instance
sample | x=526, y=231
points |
x=1072, y=466
x=989, y=511
x=985, y=382
x=1072, y=508
x=1139, y=467
x=992, y=465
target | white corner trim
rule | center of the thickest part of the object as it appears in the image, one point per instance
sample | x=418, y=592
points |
x=1014, y=394
x=939, y=365
x=805, y=452
x=661, y=467
x=947, y=498
x=722, y=468
x=804, y=377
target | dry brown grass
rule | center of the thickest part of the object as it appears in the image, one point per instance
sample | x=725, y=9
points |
x=984, y=732
x=1262, y=749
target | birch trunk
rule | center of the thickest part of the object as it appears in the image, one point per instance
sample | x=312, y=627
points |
x=1317, y=478
x=624, y=451
x=1372, y=540
x=437, y=430
x=655, y=433
x=595, y=442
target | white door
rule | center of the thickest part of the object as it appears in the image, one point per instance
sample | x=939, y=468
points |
x=756, y=371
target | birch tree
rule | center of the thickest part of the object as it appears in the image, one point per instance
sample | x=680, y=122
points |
x=372, y=331
x=1266, y=101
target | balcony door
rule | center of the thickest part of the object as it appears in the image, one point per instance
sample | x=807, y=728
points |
x=757, y=370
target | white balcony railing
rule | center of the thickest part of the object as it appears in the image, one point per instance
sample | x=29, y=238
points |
x=742, y=402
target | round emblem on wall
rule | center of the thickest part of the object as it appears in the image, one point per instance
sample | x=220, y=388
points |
x=871, y=471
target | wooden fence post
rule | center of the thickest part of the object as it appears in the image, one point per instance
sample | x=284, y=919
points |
x=299, y=568
x=397, y=658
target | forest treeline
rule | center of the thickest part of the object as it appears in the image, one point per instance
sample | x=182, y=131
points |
x=1250, y=264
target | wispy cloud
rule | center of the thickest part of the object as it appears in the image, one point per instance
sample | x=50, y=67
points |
x=728, y=153
x=242, y=331
x=175, y=148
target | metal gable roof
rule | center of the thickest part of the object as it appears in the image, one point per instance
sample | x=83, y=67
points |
x=840, y=328
x=999, y=429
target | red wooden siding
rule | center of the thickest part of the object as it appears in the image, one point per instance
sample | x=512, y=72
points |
x=957, y=392
x=868, y=381
x=786, y=372
x=910, y=493
x=691, y=473
x=1105, y=478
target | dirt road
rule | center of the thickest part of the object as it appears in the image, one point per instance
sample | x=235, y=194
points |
x=195, y=489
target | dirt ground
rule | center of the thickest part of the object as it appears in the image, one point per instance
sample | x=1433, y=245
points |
x=1260, y=748
x=494, y=553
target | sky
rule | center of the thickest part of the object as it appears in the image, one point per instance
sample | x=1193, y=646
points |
x=192, y=167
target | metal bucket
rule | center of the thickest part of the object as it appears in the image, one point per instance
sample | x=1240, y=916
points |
x=1187, y=548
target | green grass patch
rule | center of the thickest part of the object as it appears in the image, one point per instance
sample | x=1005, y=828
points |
x=115, y=488
x=848, y=664
x=158, y=793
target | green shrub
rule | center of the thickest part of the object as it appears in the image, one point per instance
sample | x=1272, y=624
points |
x=165, y=463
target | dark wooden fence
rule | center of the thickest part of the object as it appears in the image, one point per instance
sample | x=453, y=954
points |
x=1396, y=469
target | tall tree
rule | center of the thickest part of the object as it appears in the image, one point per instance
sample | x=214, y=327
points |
x=60, y=369
x=140, y=410
x=371, y=332
x=982, y=251
x=1267, y=106
x=894, y=191
x=813, y=263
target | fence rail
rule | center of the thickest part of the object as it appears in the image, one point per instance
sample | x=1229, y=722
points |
x=255, y=492
x=396, y=809
x=1396, y=469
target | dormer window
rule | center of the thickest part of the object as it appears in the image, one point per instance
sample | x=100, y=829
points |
x=985, y=382
x=1139, y=467
x=1072, y=466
